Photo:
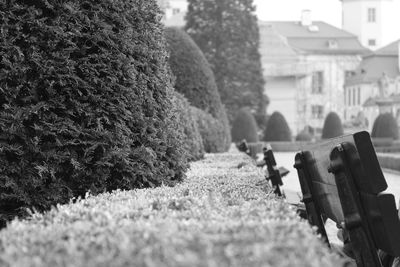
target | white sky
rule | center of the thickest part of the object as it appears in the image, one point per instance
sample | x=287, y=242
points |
x=329, y=11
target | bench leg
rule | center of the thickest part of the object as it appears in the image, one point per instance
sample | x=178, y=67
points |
x=365, y=252
x=314, y=214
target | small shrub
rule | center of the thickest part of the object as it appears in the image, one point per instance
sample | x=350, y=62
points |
x=244, y=127
x=187, y=126
x=277, y=128
x=385, y=126
x=332, y=126
x=212, y=131
x=303, y=136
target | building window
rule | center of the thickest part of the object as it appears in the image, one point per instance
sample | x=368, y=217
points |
x=354, y=97
x=371, y=15
x=317, y=82
x=349, y=96
x=359, y=95
x=317, y=111
x=175, y=11
x=348, y=74
x=371, y=42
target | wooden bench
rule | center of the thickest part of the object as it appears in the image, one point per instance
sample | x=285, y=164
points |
x=341, y=179
x=274, y=174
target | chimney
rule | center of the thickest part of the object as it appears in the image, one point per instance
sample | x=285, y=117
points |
x=306, y=17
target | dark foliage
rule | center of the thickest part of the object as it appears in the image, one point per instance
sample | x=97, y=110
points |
x=303, y=136
x=84, y=102
x=244, y=127
x=332, y=126
x=212, y=131
x=195, y=80
x=385, y=126
x=277, y=128
x=227, y=33
x=186, y=124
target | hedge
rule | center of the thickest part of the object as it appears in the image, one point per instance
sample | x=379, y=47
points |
x=187, y=125
x=84, y=103
x=385, y=126
x=212, y=131
x=244, y=126
x=195, y=80
x=332, y=126
x=277, y=128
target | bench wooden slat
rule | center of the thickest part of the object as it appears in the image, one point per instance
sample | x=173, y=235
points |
x=347, y=183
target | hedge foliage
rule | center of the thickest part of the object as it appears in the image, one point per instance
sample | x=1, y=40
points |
x=84, y=101
x=385, y=126
x=227, y=33
x=244, y=127
x=195, y=80
x=332, y=126
x=221, y=215
x=277, y=128
x=303, y=136
x=212, y=131
x=186, y=124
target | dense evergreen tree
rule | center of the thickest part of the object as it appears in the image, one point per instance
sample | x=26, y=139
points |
x=227, y=33
x=277, y=128
x=85, y=101
x=332, y=126
x=385, y=126
x=244, y=127
x=195, y=80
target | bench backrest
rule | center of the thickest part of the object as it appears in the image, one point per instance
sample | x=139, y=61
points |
x=360, y=169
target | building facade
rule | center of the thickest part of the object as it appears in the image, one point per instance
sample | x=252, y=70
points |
x=305, y=66
x=174, y=12
x=372, y=21
x=374, y=87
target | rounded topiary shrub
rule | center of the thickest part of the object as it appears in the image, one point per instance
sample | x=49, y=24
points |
x=277, y=128
x=212, y=131
x=332, y=126
x=303, y=136
x=195, y=80
x=186, y=124
x=244, y=126
x=385, y=126
x=84, y=102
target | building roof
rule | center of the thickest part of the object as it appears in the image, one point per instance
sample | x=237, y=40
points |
x=374, y=64
x=319, y=38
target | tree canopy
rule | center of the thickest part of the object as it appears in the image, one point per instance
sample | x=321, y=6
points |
x=227, y=33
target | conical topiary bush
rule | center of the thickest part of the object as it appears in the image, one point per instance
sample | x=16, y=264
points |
x=84, y=101
x=195, y=80
x=332, y=126
x=244, y=126
x=385, y=126
x=277, y=128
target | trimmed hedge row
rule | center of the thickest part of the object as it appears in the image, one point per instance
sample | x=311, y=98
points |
x=84, y=102
x=217, y=216
x=187, y=125
x=213, y=131
x=195, y=80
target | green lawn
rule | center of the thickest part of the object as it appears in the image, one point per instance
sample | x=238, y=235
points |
x=217, y=217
